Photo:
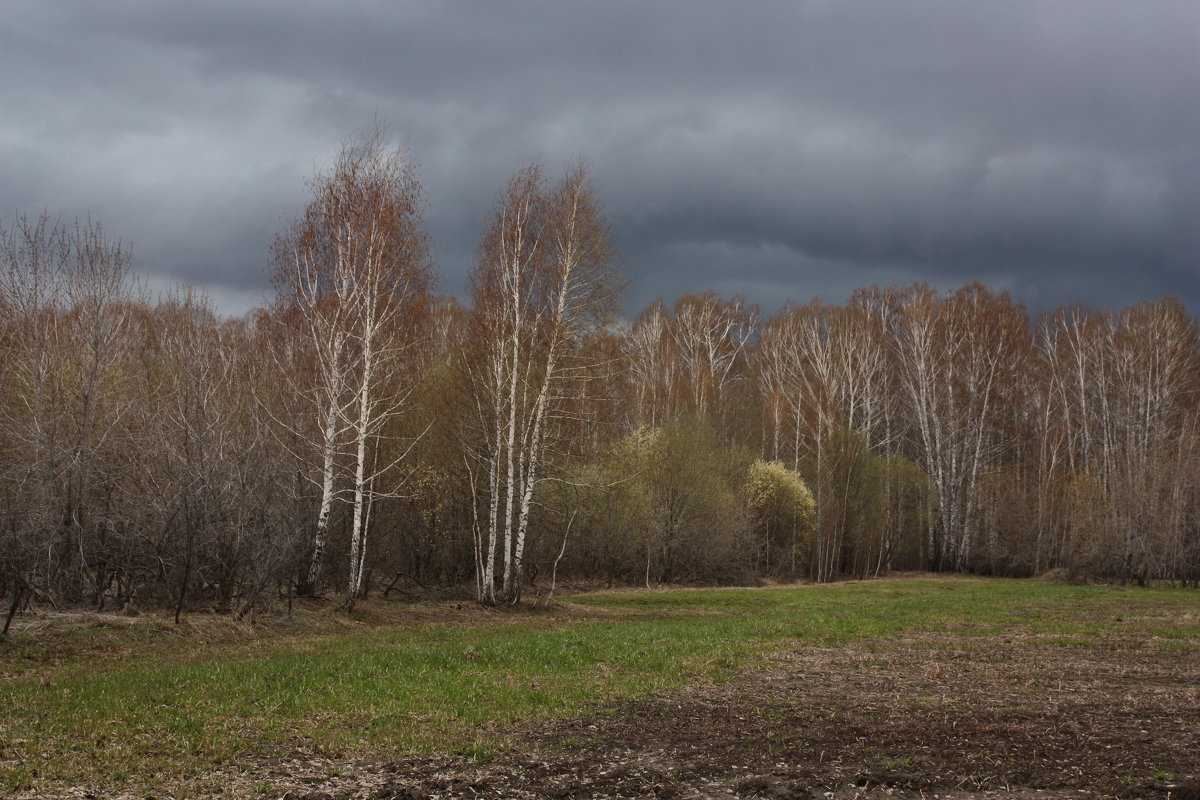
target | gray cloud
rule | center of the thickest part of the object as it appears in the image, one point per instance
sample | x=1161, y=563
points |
x=773, y=149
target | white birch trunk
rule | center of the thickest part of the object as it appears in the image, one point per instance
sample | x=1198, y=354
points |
x=361, y=431
x=328, y=453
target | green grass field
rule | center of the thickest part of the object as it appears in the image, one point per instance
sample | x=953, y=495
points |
x=143, y=704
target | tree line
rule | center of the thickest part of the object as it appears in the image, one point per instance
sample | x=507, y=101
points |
x=363, y=434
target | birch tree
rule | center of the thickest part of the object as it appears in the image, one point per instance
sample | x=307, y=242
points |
x=712, y=337
x=653, y=365
x=355, y=266
x=959, y=358
x=1126, y=386
x=545, y=278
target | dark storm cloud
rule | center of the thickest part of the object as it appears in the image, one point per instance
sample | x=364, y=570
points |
x=773, y=149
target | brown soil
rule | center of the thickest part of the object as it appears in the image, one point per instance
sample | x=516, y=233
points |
x=925, y=717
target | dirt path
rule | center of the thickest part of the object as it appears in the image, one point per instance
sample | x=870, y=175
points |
x=919, y=718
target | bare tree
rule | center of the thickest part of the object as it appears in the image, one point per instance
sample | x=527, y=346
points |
x=1126, y=390
x=356, y=267
x=654, y=365
x=545, y=278
x=712, y=337
x=959, y=361
x=65, y=295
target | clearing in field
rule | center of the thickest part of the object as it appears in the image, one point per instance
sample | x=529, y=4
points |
x=893, y=688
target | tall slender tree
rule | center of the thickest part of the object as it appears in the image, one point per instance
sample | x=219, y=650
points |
x=355, y=266
x=546, y=277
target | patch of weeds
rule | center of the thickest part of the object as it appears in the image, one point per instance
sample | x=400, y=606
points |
x=16, y=778
x=1176, y=644
x=983, y=630
x=477, y=753
x=768, y=714
x=1172, y=633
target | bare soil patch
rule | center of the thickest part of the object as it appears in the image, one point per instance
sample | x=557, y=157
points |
x=924, y=717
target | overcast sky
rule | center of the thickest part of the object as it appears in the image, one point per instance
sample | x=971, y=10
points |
x=777, y=150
